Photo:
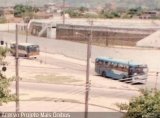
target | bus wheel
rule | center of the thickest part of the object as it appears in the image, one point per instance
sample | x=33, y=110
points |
x=122, y=79
x=103, y=74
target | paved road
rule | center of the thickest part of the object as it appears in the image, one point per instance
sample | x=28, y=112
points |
x=66, y=66
x=70, y=66
x=80, y=69
x=95, y=92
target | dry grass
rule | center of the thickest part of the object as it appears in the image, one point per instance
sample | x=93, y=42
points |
x=54, y=79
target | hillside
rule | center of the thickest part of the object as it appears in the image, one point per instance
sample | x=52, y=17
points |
x=93, y=3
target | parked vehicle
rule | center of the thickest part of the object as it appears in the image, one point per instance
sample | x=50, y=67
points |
x=121, y=69
x=25, y=49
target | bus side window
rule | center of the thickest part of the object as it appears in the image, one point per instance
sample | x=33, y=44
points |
x=101, y=62
x=115, y=65
x=120, y=67
x=96, y=61
x=126, y=68
x=106, y=64
x=12, y=46
x=111, y=65
x=20, y=47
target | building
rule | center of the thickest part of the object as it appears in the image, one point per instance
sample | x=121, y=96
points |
x=149, y=15
x=43, y=15
x=51, y=8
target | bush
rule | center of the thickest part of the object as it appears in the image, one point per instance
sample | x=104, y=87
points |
x=147, y=105
x=3, y=20
x=5, y=93
x=24, y=11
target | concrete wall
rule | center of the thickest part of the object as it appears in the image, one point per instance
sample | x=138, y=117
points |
x=7, y=27
x=51, y=33
x=152, y=41
x=102, y=35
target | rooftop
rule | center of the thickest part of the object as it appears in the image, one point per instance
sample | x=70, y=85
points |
x=24, y=44
x=119, y=61
x=115, y=23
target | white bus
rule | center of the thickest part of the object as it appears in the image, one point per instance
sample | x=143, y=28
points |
x=25, y=49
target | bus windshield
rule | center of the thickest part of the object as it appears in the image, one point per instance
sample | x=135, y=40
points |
x=139, y=70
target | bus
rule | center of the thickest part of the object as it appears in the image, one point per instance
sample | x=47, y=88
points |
x=25, y=50
x=121, y=69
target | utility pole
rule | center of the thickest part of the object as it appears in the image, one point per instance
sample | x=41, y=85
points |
x=63, y=12
x=27, y=33
x=8, y=24
x=6, y=4
x=157, y=74
x=17, y=72
x=27, y=22
x=88, y=69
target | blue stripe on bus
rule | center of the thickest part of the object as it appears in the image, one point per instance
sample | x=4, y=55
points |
x=118, y=61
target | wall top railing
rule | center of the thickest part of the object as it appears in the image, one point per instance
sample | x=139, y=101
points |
x=110, y=29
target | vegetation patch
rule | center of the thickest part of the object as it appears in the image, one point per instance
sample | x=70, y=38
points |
x=5, y=92
x=56, y=79
x=147, y=105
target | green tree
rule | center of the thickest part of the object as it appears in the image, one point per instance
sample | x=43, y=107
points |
x=147, y=105
x=110, y=14
x=134, y=11
x=5, y=93
x=25, y=11
x=73, y=13
x=90, y=15
x=83, y=9
x=19, y=10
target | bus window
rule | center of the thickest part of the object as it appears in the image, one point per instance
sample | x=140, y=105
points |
x=100, y=62
x=115, y=65
x=12, y=46
x=106, y=63
x=33, y=48
x=97, y=61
